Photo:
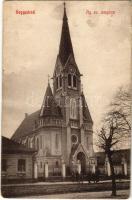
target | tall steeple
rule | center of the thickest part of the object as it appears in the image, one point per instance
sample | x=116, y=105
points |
x=66, y=48
x=66, y=76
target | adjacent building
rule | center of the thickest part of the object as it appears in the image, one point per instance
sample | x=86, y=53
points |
x=121, y=161
x=17, y=161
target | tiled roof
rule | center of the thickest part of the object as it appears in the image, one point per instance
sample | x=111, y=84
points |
x=26, y=126
x=11, y=147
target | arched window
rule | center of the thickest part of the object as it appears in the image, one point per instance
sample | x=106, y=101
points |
x=57, y=141
x=41, y=141
x=73, y=107
x=57, y=164
x=74, y=81
x=69, y=80
x=60, y=80
x=37, y=144
x=31, y=143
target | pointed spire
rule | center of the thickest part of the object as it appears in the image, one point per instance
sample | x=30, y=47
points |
x=66, y=48
x=47, y=100
x=65, y=16
x=48, y=91
x=49, y=107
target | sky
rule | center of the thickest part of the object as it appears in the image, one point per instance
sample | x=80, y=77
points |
x=102, y=50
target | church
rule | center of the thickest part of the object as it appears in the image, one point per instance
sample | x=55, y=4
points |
x=62, y=129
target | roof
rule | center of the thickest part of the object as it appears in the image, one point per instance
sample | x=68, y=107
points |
x=49, y=107
x=117, y=156
x=65, y=49
x=11, y=147
x=26, y=126
x=86, y=113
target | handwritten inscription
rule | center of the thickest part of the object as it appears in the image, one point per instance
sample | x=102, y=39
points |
x=102, y=12
x=25, y=12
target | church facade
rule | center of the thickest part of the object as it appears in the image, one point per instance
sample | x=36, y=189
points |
x=62, y=130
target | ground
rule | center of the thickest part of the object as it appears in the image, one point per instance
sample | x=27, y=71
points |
x=66, y=190
x=121, y=194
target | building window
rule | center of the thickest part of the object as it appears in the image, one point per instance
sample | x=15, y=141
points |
x=4, y=165
x=74, y=81
x=31, y=143
x=24, y=141
x=41, y=141
x=69, y=80
x=57, y=85
x=41, y=165
x=21, y=165
x=60, y=81
x=74, y=139
x=73, y=109
x=57, y=164
x=37, y=144
x=57, y=141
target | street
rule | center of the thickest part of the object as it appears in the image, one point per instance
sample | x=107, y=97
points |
x=65, y=190
x=121, y=194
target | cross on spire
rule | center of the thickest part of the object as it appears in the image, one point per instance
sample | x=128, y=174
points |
x=65, y=16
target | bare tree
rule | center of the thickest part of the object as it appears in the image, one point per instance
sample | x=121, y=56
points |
x=108, y=137
x=121, y=108
x=116, y=125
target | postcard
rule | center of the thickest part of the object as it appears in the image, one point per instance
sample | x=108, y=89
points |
x=66, y=109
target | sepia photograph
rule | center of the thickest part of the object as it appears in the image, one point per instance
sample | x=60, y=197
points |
x=66, y=100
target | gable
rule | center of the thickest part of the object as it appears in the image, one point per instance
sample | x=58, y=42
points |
x=71, y=65
x=58, y=67
x=78, y=148
x=26, y=126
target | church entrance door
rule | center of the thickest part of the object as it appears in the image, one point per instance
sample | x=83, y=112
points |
x=81, y=157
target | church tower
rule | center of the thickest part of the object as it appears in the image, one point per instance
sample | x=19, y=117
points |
x=78, y=134
x=66, y=77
